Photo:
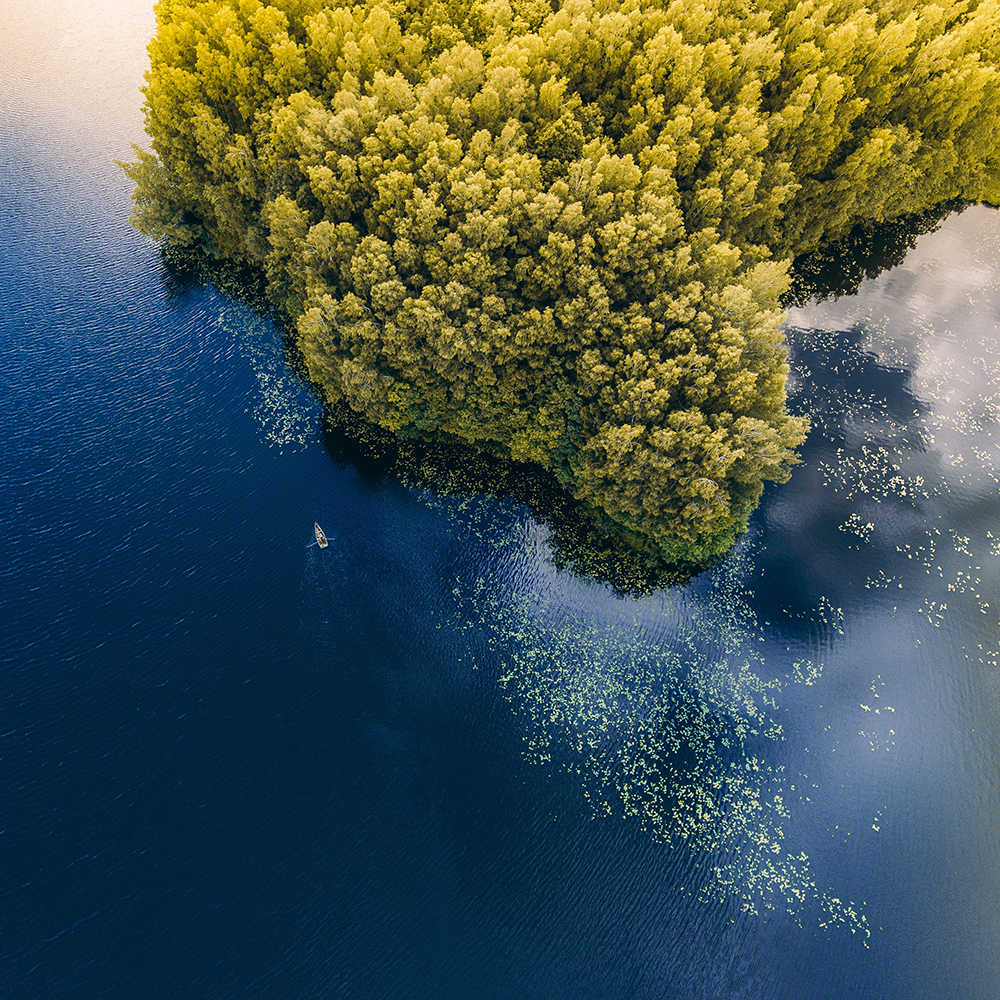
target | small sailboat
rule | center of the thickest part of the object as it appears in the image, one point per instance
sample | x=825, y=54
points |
x=321, y=539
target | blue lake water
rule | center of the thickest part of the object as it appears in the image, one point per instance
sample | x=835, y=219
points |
x=424, y=762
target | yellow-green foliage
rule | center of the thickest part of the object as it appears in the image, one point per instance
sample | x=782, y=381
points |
x=563, y=230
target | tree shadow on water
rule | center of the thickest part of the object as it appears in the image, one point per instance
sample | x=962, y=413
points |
x=187, y=269
x=582, y=540
x=839, y=268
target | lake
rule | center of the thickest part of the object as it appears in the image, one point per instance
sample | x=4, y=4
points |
x=424, y=762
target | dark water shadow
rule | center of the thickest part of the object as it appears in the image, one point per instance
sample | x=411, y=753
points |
x=839, y=268
x=185, y=270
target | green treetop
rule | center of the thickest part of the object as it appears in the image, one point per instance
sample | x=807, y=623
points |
x=562, y=231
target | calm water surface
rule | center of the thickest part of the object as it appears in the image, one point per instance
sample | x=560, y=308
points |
x=424, y=763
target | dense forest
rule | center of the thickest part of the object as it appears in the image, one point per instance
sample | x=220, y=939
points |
x=560, y=232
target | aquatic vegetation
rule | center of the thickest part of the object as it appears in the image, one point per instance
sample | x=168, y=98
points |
x=288, y=417
x=677, y=734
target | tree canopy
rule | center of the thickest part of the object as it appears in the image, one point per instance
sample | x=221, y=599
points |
x=561, y=231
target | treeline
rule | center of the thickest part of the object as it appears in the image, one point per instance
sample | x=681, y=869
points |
x=561, y=232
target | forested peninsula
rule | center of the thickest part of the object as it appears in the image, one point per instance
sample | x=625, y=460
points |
x=560, y=231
